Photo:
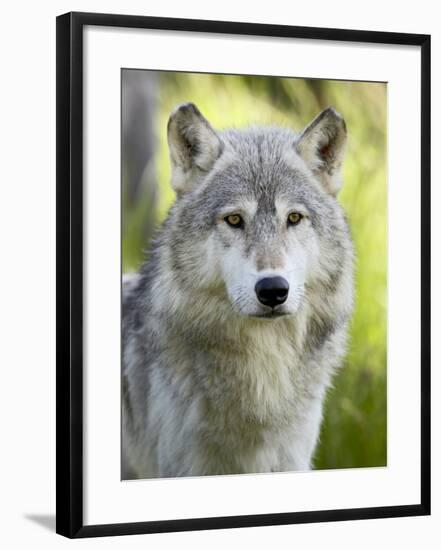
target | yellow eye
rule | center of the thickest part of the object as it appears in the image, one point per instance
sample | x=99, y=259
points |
x=294, y=218
x=234, y=220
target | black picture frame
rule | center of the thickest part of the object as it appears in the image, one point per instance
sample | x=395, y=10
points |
x=69, y=293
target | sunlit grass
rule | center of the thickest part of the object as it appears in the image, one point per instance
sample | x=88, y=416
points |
x=354, y=427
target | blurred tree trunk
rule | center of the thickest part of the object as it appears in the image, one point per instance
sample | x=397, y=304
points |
x=139, y=89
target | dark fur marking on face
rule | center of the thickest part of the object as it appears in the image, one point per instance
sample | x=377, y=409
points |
x=319, y=330
x=223, y=241
x=268, y=260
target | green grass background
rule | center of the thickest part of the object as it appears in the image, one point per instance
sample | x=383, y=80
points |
x=354, y=429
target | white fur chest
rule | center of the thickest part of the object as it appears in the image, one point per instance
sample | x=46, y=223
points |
x=267, y=412
x=264, y=384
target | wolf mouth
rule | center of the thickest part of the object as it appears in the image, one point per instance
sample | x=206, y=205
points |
x=273, y=314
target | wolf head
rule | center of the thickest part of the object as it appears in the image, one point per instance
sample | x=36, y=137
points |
x=256, y=218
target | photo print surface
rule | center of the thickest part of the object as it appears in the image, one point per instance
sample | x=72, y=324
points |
x=254, y=274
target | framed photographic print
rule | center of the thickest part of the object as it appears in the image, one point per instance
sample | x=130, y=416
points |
x=243, y=288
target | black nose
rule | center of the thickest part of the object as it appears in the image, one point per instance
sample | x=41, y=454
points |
x=272, y=291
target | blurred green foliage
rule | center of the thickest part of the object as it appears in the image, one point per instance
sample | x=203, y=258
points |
x=354, y=430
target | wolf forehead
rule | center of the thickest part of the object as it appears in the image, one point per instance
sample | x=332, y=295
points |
x=257, y=181
x=260, y=161
x=260, y=172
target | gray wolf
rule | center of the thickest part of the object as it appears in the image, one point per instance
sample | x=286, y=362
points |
x=235, y=324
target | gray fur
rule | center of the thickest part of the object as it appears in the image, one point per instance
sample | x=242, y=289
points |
x=213, y=381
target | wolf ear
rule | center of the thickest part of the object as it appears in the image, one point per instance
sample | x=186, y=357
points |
x=194, y=146
x=322, y=146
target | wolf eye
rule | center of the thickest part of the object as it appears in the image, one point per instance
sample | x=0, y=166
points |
x=234, y=220
x=294, y=218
